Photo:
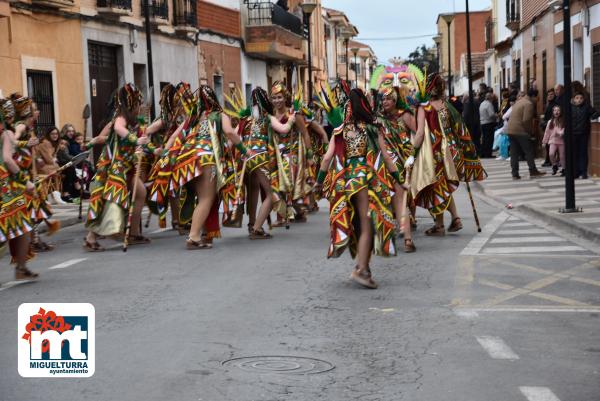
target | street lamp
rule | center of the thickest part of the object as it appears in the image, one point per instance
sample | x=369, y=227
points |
x=566, y=108
x=449, y=18
x=346, y=40
x=307, y=8
x=355, y=52
x=147, y=4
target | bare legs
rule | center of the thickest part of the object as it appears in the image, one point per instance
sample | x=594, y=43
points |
x=439, y=219
x=265, y=208
x=400, y=210
x=140, y=200
x=365, y=239
x=206, y=190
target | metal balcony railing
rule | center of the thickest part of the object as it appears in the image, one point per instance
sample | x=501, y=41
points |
x=185, y=13
x=122, y=4
x=160, y=9
x=263, y=12
x=513, y=13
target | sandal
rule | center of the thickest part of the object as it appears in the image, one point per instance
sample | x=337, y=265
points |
x=41, y=246
x=259, y=234
x=456, y=225
x=363, y=278
x=436, y=231
x=92, y=246
x=23, y=273
x=192, y=245
x=137, y=240
x=278, y=223
x=409, y=245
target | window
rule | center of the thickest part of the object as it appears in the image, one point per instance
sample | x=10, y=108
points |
x=518, y=72
x=218, y=87
x=596, y=76
x=544, y=76
x=39, y=88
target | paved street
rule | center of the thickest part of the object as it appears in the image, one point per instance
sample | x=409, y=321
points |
x=512, y=313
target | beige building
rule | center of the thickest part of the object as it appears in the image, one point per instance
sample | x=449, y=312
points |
x=41, y=56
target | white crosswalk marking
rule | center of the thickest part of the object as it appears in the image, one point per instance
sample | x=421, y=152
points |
x=519, y=240
x=538, y=393
x=67, y=264
x=533, y=249
x=11, y=284
x=497, y=348
x=518, y=224
x=523, y=232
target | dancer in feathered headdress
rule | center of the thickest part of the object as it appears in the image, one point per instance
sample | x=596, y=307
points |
x=110, y=191
x=291, y=151
x=264, y=163
x=446, y=155
x=398, y=122
x=16, y=220
x=356, y=171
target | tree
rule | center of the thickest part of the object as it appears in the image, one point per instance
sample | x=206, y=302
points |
x=423, y=57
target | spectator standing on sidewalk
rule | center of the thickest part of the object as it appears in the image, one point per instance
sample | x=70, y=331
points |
x=553, y=139
x=487, y=118
x=520, y=131
x=471, y=120
x=548, y=113
x=581, y=115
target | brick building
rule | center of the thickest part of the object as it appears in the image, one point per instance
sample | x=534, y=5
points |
x=219, y=46
x=458, y=44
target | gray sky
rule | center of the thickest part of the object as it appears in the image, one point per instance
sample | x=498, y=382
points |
x=389, y=18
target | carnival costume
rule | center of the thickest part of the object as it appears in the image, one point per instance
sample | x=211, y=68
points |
x=110, y=194
x=357, y=164
x=446, y=156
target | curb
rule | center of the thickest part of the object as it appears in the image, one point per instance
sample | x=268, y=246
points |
x=68, y=222
x=549, y=218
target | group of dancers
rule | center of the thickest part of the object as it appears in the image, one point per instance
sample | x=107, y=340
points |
x=209, y=163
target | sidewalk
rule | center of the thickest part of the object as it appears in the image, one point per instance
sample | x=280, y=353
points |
x=68, y=215
x=543, y=197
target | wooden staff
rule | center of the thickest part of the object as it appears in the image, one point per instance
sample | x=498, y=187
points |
x=406, y=212
x=473, y=207
x=136, y=178
x=86, y=115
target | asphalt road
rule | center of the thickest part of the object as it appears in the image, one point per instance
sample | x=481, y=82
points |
x=502, y=315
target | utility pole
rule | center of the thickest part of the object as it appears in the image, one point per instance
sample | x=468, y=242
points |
x=469, y=66
x=147, y=4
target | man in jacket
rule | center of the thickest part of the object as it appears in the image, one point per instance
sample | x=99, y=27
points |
x=581, y=114
x=487, y=118
x=520, y=131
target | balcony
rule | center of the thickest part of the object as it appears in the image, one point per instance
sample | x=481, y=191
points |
x=54, y=3
x=160, y=12
x=273, y=33
x=184, y=16
x=513, y=15
x=114, y=7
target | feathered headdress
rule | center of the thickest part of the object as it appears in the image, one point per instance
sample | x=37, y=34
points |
x=7, y=110
x=208, y=100
x=260, y=98
x=235, y=105
x=128, y=97
x=327, y=100
x=184, y=97
x=421, y=77
x=22, y=105
x=167, y=102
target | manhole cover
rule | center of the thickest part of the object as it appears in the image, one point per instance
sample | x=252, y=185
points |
x=283, y=365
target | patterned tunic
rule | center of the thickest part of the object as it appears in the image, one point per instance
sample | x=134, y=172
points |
x=397, y=141
x=358, y=165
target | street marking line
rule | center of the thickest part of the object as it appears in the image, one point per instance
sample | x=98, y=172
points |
x=518, y=224
x=495, y=284
x=479, y=240
x=497, y=348
x=538, y=393
x=585, y=280
x=160, y=230
x=587, y=220
x=463, y=281
x=527, y=239
x=15, y=283
x=466, y=313
x=67, y=264
x=537, y=309
x=532, y=249
x=522, y=266
x=557, y=299
x=523, y=231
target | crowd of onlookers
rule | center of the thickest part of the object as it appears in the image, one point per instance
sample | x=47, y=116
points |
x=56, y=149
x=511, y=126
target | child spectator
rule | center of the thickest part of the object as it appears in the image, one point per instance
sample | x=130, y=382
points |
x=553, y=138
